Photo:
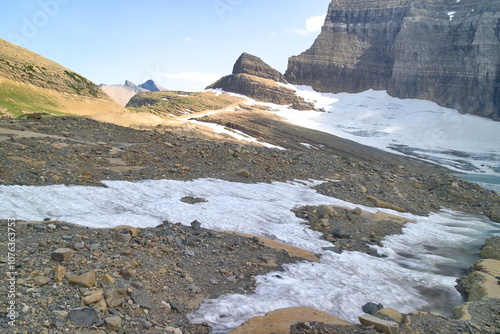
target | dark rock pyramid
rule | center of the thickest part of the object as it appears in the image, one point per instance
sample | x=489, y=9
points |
x=254, y=78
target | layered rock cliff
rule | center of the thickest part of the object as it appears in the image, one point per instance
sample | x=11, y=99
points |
x=254, y=78
x=447, y=51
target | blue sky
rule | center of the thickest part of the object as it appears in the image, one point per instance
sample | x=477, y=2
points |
x=183, y=45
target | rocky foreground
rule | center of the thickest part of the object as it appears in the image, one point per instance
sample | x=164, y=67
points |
x=126, y=280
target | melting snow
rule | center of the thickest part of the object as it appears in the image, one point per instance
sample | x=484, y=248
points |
x=339, y=284
x=418, y=128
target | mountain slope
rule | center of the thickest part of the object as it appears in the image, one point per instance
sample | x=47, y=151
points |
x=32, y=83
x=444, y=51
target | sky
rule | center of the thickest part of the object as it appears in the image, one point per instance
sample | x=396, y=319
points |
x=183, y=45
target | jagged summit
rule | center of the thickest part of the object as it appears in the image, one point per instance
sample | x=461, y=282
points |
x=132, y=86
x=152, y=86
x=444, y=51
x=254, y=78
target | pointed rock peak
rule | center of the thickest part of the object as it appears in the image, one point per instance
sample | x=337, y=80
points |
x=250, y=64
x=152, y=86
x=130, y=84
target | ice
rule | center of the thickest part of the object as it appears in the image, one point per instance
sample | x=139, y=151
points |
x=421, y=263
x=417, y=128
x=451, y=14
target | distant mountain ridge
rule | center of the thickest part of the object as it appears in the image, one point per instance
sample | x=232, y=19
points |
x=123, y=93
x=441, y=50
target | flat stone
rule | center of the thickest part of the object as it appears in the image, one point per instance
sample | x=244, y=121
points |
x=279, y=321
x=86, y=280
x=85, y=316
x=384, y=326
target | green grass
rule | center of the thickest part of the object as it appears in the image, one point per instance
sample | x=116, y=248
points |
x=176, y=102
x=18, y=101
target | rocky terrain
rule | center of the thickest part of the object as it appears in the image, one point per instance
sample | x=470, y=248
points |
x=252, y=77
x=66, y=272
x=443, y=51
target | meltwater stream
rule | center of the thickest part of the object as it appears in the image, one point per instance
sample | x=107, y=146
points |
x=419, y=272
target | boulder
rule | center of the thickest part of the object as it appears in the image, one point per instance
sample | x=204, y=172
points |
x=390, y=313
x=383, y=326
x=491, y=249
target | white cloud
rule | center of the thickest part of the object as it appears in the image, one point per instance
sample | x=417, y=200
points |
x=194, y=76
x=190, y=40
x=314, y=24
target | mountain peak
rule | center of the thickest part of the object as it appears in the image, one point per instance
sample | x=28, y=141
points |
x=152, y=86
x=250, y=64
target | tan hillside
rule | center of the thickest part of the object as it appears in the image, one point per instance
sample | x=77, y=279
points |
x=32, y=83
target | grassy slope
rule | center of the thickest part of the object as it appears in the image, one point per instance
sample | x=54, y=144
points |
x=32, y=83
x=179, y=103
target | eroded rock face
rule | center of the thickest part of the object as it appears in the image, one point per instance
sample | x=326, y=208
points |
x=442, y=50
x=252, y=77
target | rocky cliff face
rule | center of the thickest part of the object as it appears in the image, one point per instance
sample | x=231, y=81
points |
x=252, y=77
x=447, y=51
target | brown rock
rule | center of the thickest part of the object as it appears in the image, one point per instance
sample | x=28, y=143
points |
x=113, y=323
x=86, y=280
x=108, y=278
x=390, y=313
x=115, y=296
x=279, y=322
x=243, y=173
x=101, y=305
x=41, y=280
x=59, y=273
x=461, y=312
x=380, y=204
x=133, y=231
x=93, y=298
